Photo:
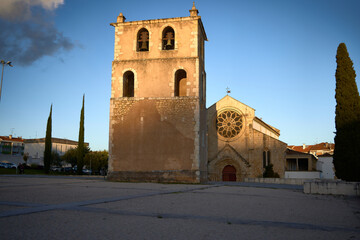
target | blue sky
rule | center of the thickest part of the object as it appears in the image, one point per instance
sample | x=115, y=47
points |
x=276, y=56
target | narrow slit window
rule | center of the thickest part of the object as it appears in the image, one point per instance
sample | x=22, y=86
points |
x=266, y=158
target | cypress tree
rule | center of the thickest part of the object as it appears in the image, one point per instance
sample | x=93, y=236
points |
x=347, y=119
x=81, y=146
x=47, y=152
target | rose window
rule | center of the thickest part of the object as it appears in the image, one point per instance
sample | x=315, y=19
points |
x=229, y=124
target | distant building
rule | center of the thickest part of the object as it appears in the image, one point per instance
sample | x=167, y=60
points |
x=301, y=165
x=323, y=152
x=11, y=145
x=35, y=148
x=316, y=149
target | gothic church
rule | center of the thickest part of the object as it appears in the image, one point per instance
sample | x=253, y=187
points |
x=160, y=129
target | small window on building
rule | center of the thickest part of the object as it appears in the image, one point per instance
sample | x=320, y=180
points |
x=303, y=164
x=291, y=164
x=180, y=83
x=204, y=86
x=168, y=39
x=143, y=40
x=128, y=84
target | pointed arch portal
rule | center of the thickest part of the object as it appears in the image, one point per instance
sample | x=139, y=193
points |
x=229, y=174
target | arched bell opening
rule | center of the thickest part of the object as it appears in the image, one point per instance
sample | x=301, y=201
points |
x=168, y=39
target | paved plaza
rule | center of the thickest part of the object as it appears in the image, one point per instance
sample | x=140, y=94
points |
x=35, y=207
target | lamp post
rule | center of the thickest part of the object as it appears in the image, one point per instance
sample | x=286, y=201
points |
x=2, y=73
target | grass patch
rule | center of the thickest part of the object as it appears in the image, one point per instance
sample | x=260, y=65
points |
x=7, y=171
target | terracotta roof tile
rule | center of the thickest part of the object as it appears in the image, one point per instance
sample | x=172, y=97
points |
x=12, y=139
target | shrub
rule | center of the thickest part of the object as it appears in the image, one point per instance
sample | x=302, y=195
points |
x=269, y=172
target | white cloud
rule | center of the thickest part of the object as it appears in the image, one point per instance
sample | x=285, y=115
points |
x=19, y=10
x=27, y=31
x=47, y=4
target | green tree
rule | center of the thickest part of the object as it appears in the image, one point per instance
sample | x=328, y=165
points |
x=56, y=159
x=70, y=156
x=47, y=152
x=81, y=145
x=25, y=157
x=347, y=119
x=97, y=160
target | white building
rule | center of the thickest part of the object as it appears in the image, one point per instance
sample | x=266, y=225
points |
x=301, y=165
x=35, y=148
x=326, y=166
x=12, y=146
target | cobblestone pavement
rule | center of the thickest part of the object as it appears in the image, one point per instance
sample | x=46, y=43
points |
x=41, y=207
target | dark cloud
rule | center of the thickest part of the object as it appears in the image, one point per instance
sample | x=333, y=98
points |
x=26, y=40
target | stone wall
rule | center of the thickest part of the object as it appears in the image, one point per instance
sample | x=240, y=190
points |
x=154, y=139
x=334, y=187
x=291, y=181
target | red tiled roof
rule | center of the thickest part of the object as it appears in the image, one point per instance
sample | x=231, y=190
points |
x=11, y=139
x=300, y=148
x=324, y=146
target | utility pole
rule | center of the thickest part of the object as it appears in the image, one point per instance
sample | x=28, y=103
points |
x=2, y=73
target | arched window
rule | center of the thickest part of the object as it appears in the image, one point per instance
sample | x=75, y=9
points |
x=128, y=84
x=180, y=83
x=168, y=39
x=143, y=40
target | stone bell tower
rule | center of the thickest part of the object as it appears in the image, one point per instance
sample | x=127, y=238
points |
x=157, y=106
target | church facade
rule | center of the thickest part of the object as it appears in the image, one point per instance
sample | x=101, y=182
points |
x=241, y=145
x=160, y=129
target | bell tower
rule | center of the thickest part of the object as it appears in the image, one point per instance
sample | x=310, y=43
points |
x=157, y=106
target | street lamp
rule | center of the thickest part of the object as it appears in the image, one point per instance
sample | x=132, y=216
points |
x=2, y=73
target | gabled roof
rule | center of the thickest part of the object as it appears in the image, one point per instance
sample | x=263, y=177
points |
x=228, y=97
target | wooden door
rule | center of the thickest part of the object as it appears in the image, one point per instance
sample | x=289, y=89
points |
x=229, y=174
